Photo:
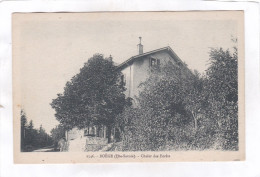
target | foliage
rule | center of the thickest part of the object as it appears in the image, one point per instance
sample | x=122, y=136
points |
x=92, y=97
x=23, y=128
x=222, y=97
x=32, y=138
x=162, y=114
x=179, y=110
x=57, y=134
x=222, y=75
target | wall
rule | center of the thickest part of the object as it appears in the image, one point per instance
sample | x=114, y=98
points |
x=128, y=74
x=141, y=69
x=75, y=133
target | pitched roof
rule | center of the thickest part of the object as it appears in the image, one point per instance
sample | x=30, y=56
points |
x=136, y=57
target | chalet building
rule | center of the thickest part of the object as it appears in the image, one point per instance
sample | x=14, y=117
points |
x=135, y=70
x=138, y=68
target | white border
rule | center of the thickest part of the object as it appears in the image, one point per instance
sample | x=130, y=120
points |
x=250, y=167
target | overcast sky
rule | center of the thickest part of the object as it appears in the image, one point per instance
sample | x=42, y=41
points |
x=54, y=47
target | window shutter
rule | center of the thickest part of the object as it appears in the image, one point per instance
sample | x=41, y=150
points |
x=158, y=62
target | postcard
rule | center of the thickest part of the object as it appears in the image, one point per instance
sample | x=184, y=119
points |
x=112, y=87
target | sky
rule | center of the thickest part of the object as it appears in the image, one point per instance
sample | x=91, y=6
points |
x=53, y=47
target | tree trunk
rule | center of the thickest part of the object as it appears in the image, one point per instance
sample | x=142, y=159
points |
x=195, y=121
x=66, y=135
x=98, y=131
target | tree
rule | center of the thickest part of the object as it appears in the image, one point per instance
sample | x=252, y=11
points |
x=31, y=134
x=92, y=97
x=222, y=75
x=57, y=134
x=23, y=129
x=221, y=89
x=32, y=138
x=194, y=98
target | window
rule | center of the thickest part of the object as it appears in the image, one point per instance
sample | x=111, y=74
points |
x=158, y=62
x=154, y=62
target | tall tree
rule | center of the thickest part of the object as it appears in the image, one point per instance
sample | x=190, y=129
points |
x=92, y=97
x=23, y=129
x=221, y=89
x=222, y=75
x=31, y=134
x=32, y=138
x=194, y=97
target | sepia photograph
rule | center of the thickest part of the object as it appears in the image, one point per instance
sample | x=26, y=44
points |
x=128, y=87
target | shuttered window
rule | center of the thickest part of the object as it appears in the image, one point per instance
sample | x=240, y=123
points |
x=154, y=62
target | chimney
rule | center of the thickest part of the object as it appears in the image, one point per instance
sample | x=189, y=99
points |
x=140, y=47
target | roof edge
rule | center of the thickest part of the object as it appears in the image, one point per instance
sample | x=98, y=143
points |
x=141, y=55
x=168, y=48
